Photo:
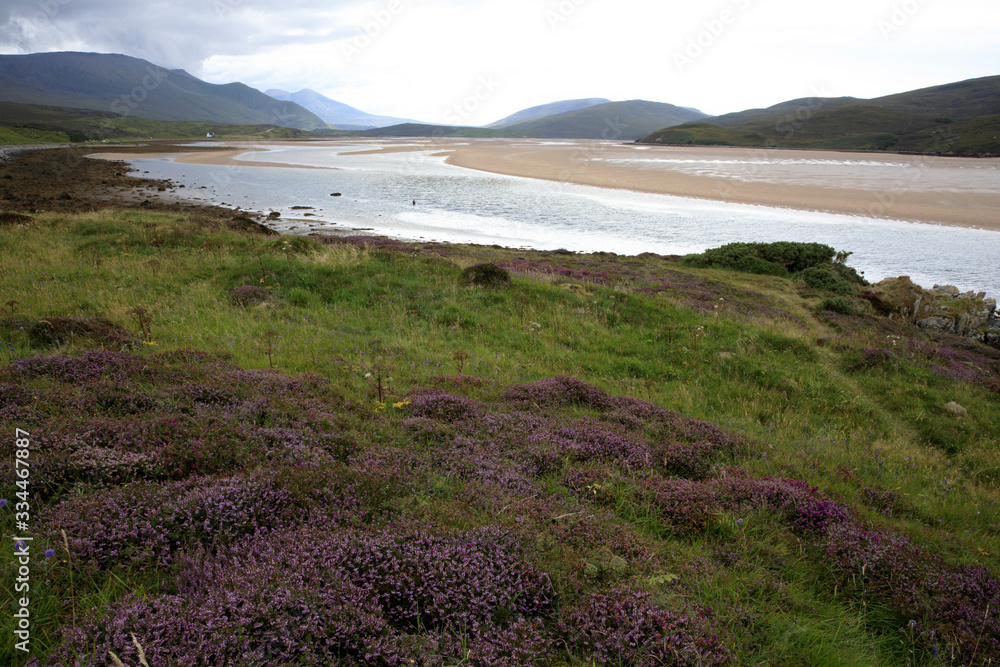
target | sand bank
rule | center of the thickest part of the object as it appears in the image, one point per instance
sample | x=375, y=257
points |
x=224, y=158
x=892, y=198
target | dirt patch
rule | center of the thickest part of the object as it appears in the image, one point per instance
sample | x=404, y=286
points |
x=64, y=180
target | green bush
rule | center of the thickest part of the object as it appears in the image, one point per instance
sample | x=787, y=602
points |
x=837, y=304
x=826, y=278
x=772, y=259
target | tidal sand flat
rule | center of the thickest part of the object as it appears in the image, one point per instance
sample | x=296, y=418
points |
x=951, y=191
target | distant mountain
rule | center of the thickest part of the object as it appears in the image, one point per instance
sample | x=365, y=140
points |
x=336, y=113
x=960, y=118
x=549, y=110
x=132, y=87
x=423, y=130
x=624, y=121
x=806, y=104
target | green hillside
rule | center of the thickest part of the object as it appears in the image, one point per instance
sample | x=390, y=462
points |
x=33, y=124
x=613, y=121
x=956, y=119
x=421, y=130
x=131, y=87
x=796, y=108
x=344, y=453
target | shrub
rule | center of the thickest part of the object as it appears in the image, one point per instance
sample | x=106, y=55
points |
x=775, y=259
x=836, y=304
x=485, y=275
x=625, y=628
x=825, y=278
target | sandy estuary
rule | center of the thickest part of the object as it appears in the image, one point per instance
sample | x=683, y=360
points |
x=935, y=219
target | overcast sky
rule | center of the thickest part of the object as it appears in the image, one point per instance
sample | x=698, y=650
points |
x=480, y=60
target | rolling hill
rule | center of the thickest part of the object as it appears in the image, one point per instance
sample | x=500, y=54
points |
x=960, y=118
x=612, y=121
x=550, y=109
x=422, y=130
x=336, y=113
x=131, y=87
x=33, y=124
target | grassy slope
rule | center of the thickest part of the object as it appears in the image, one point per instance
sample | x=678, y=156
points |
x=745, y=352
x=955, y=119
x=27, y=123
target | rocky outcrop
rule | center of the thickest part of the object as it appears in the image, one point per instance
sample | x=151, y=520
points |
x=941, y=308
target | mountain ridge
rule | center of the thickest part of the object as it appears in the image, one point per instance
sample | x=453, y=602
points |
x=130, y=86
x=550, y=109
x=959, y=118
x=625, y=120
x=341, y=115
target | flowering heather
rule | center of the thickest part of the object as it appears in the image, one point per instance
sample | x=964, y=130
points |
x=468, y=459
x=958, y=607
x=623, y=627
x=113, y=367
x=442, y=406
x=16, y=404
x=306, y=597
x=558, y=391
x=964, y=361
x=148, y=523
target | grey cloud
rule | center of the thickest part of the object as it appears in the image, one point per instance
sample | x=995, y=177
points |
x=175, y=34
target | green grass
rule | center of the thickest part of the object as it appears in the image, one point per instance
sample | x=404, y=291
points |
x=351, y=313
x=27, y=124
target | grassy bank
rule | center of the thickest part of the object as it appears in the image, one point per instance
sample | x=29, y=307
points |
x=334, y=452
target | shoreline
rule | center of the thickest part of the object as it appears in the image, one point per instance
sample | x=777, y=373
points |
x=613, y=165
x=220, y=158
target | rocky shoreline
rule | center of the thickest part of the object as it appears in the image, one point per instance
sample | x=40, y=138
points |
x=940, y=308
x=11, y=153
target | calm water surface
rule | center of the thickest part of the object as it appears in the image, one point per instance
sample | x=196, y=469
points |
x=461, y=205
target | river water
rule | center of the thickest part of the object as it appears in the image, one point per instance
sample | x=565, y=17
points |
x=462, y=205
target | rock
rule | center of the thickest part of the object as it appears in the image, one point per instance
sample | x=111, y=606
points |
x=942, y=308
x=726, y=355
x=955, y=409
x=335, y=194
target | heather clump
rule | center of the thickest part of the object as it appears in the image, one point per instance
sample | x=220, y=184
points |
x=954, y=610
x=558, y=391
x=147, y=523
x=623, y=627
x=442, y=406
x=387, y=597
x=117, y=367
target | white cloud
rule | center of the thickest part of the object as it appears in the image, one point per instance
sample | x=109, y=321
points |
x=488, y=58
